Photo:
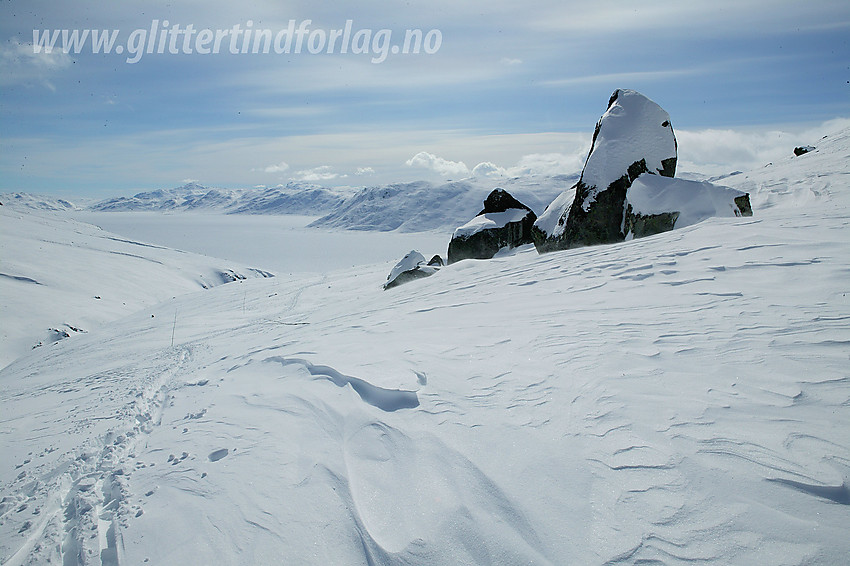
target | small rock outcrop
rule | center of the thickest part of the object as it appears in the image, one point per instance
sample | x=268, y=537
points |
x=803, y=149
x=633, y=137
x=503, y=223
x=436, y=261
x=412, y=266
x=656, y=204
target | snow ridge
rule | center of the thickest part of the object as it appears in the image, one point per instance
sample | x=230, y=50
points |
x=382, y=398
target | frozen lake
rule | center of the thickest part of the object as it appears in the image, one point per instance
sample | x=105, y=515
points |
x=281, y=244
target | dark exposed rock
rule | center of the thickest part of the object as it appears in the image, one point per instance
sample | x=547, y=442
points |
x=744, y=206
x=503, y=223
x=436, y=261
x=803, y=149
x=500, y=200
x=640, y=225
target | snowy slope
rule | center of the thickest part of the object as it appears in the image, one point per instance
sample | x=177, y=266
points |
x=682, y=398
x=60, y=278
x=26, y=201
x=799, y=182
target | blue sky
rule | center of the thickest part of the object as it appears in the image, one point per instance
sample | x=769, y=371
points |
x=517, y=86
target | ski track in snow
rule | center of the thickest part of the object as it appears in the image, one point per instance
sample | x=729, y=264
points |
x=677, y=399
x=83, y=490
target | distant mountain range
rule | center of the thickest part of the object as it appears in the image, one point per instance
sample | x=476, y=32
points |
x=408, y=207
x=292, y=198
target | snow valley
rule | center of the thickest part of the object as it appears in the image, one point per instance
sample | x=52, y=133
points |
x=679, y=398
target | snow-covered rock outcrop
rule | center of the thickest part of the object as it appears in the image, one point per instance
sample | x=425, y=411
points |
x=633, y=137
x=412, y=266
x=503, y=223
x=657, y=204
x=626, y=189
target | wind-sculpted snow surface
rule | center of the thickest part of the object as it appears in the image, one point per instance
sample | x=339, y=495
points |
x=384, y=399
x=676, y=399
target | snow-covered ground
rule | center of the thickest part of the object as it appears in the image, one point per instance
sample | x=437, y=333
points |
x=60, y=277
x=278, y=243
x=681, y=398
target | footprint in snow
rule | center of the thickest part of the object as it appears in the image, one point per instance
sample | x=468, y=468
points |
x=217, y=455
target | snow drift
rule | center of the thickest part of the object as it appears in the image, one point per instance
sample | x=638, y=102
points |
x=656, y=204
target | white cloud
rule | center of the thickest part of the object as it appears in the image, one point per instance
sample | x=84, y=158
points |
x=19, y=64
x=441, y=166
x=510, y=61
x=722, y=151
x=321, y=173
x=545, y=164
x=364, y=171
x=279, y=168
x=488, y=170
x=549, y=164
x=714, y=151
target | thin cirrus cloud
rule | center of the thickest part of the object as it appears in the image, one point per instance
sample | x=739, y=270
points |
x=622, y=78
x=695, y=18
x=512, y=91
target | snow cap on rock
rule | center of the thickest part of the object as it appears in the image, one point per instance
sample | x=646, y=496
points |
x=411, y=266
x=503, y=223
x=634, y=128
x=633, y=136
